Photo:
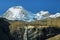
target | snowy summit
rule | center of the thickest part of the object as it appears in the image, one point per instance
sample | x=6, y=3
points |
x=19, y=13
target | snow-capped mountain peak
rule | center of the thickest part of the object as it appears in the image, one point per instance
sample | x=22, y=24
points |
x=18, y=13
x=55, y=15
x=42, y=15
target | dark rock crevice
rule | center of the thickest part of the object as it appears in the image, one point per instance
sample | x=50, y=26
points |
x=4, y=30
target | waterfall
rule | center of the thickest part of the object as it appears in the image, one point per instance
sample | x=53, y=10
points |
x=25, y=33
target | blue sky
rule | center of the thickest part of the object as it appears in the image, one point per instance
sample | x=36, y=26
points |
x=34, y=6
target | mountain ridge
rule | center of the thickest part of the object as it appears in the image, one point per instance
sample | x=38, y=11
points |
x=19, y=13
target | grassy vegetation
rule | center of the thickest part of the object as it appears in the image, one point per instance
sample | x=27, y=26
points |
x=57, y=37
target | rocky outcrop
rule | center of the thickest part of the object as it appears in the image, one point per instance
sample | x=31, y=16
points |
x=4, y=29
x=35, y=33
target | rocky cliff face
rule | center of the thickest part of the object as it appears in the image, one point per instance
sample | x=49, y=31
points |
x=4, y=30
x=19, y=30
x=35, y=32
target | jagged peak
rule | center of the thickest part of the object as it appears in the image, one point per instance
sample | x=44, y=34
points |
x=17, y=7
